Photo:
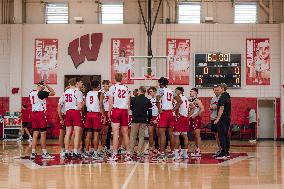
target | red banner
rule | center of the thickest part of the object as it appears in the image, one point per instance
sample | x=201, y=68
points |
x=257, y=62
x=178, y=51
x=45, y=60
x=121, y=49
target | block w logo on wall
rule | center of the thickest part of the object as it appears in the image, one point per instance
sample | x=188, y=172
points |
x=86, y=49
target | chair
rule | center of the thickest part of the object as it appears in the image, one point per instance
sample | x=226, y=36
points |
x=235, y=130
x=245, y=131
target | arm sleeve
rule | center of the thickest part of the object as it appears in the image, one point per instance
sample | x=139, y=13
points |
x=43, y=94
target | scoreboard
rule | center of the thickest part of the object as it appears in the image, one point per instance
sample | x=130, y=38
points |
x=214, y=68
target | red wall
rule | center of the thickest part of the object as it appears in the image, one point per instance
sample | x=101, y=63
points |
x=239, y=109
x=4, y=105
x=51, y=113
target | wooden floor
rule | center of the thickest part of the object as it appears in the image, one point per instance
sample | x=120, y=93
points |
x=260, y=167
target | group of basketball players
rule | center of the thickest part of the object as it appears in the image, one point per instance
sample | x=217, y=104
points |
x=173, y=116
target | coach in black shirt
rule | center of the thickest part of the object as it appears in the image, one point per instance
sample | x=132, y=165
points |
x=141, y=109
x=223, y=121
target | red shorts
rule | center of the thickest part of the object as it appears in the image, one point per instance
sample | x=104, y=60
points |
x=38, y=120
x=73, y=118
x=93, y=120
x=119, y=116
x=154, y=118
x=181, y=124
x=194, y=123
x=129, y=120
x=166, y=119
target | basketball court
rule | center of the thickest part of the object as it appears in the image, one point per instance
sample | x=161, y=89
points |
x=72, y=73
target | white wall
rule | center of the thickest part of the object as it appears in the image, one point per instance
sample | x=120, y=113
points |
x=5, y=33
x=221, y=10
x=204, y=38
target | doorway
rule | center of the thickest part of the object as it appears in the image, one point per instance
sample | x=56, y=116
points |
x=266, y=119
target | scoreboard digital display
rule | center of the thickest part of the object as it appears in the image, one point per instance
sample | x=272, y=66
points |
x=214, y=68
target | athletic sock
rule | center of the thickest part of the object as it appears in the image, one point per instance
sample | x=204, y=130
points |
x=44, y=151
x=95, y=152
x=75, y=151
x=114, y=152
x=33, y=150
x=62, y=150
x=92, y=150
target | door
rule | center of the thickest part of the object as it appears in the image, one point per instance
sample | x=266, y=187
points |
x=266, y=117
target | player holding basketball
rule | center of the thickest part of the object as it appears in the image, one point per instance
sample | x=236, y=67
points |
x=94, y=103
x=106, y=133
x=196, y=108
x=38, y=117
x=181, y=125
x=73, y=98
x=119, y=105
x=165, y=100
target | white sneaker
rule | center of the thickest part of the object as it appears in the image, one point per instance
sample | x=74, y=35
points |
x=47, y=156
x=196, y=153
x=97, y=157
x=252, y=141
x=127, y=157
x=30, y=140
x=113, y=157
x=33, y=155
x=62, y=154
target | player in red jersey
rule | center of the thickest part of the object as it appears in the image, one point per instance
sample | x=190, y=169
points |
x=196, y=109
x=38, y=117
x=119, y=105
x=94, y=103
x=73, y=101
x=181, y=125
x=165, y=100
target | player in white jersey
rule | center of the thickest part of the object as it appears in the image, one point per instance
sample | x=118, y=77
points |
x=73, y=98
x=165, y=100
x=94, y=104
x=119, y=105
x=196, y=109
x=181, y=125
x=153, y=124
x=38, y=117
x=62, y=130
x=106, y=131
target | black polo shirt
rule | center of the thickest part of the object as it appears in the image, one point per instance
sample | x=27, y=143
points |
x=225, y=100
x=141, y=108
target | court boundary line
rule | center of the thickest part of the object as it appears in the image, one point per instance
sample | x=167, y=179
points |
x=129, y=177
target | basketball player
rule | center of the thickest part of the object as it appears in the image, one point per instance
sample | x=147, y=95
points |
x=38, y=117
x=94, y=103
x=181, y=125
x=153, y=124
x=62, y=114
x=119, y=104
x=73, y=98
x=213, y=116
x=165, y=100
x=106, y=132
x=196, y=108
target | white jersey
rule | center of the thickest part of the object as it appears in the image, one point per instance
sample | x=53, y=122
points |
x=183, y=109
x=93, y=101
x=167, y=96
x=36, y=102
x=71, y=98
x=155, y=111
x=120, y=96
x=106, y=100
x=61, y=103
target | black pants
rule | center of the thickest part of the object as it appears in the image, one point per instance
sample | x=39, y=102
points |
x=223, y=133
x=108, y=138
x=252, y=128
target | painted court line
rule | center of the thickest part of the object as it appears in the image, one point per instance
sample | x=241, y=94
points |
x=129, y=177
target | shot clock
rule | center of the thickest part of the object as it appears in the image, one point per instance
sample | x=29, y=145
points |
x=214, y=68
